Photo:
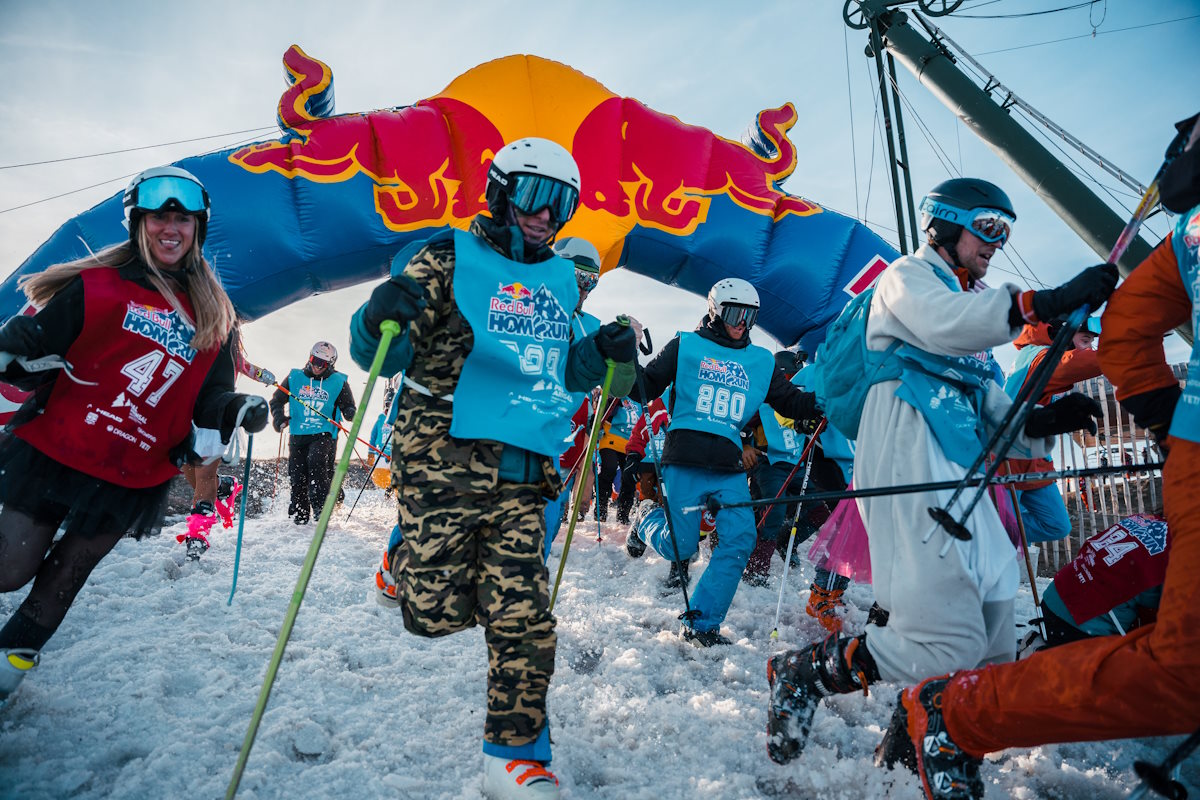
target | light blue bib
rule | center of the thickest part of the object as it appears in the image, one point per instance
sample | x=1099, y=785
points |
x=1185, y=239
x=511, y=389
x=717, y=388
x=784, y=445
x=624, y=418
x=948, y=391
x=321, y=394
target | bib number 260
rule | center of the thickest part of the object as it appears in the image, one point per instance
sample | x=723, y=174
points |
x=721, y=403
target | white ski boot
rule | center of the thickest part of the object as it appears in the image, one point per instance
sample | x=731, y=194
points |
x=15, y=664
x=518, y=779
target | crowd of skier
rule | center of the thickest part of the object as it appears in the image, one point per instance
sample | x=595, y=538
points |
x=514, y=413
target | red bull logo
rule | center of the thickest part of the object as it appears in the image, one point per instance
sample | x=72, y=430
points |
x=634, y=161
x=517, y=291
x=427, y=161
x=866, y=277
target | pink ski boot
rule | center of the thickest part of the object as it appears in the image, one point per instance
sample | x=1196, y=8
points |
x=200, y=522
x=227, y=495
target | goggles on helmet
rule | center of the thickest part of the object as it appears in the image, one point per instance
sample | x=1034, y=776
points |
x=586, y=280
x=734, y=315
x=530, y=193
x=318, y=364
x=989, y=224
x=170, y=193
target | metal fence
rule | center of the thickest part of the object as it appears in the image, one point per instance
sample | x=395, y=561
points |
x=1097, y=503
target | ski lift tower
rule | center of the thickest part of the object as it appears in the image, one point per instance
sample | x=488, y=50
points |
x=985, y=111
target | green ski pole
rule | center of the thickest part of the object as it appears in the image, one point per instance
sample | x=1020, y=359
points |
x=388, y=329
x=579, y=488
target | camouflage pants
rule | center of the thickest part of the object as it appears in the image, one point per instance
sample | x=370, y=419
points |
x=475, y=558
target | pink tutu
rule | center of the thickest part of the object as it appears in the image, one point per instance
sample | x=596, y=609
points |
x=841, y=544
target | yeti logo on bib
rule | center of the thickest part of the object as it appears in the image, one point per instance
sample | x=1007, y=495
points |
x=167, y=329
x=516, y=310
x=726, y=373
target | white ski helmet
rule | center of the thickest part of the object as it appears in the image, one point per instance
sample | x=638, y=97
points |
x=166, y=189
x=531, y=174
x=323, y=351
x=733, y=300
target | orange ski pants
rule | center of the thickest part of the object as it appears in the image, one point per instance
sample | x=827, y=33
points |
x=1146, y=683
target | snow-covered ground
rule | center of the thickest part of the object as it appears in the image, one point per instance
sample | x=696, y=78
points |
x=148, y=688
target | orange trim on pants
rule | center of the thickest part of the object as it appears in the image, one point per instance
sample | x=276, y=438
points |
x=1146, y=683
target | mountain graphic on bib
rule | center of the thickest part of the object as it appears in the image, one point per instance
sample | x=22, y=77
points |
x=726, y=373
x=515, y=309
x=166, y=328
x=310, y=393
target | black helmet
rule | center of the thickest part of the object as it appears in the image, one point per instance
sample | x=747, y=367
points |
x=788, y=361
x=943, y=209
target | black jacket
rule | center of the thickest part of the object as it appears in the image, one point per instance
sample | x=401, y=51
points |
x=62, y=322
x=707, y=450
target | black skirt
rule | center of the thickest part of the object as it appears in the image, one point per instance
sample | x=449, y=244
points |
x=50, y=492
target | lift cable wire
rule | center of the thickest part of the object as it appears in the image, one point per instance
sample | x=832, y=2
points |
x=1017, y=15
x=853, y=135
x=133, y=149
x=1011, y=99
x=112, y=180
x=1092, y=35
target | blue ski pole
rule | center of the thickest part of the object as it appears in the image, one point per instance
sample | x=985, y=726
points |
x=237, y=554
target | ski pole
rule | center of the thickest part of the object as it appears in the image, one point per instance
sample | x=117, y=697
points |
x=1146, y=205
x=651, y=445
x=387, y=330
x=275, y=482
x=816, y=432
x=591, y=448
x=237, y=553
x=714, y=505
x=1006, y=432
x=1157, y=777
x=330, y=420
x=787, y=560
x=1012, y=493
x=363, y=488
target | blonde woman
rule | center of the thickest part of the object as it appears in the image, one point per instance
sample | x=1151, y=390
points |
x=143, y=330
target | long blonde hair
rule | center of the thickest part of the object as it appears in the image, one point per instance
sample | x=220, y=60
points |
x=215, y=316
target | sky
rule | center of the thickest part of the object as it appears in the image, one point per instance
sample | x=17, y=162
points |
x=361, y=709
x=99, y=77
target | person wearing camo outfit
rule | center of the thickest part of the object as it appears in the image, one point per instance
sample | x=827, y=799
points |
x=491, y=364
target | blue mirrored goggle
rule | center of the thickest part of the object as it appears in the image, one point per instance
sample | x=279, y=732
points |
x=531, y=193
x=989, y=224
x=169, y=193
x=586, y=280
x=734, y=315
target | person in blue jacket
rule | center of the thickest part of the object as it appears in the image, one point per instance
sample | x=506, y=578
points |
x=494, y=369
x=314, y=397
x=719, y=380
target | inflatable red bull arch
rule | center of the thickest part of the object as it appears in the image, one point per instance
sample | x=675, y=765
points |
x=329, y=203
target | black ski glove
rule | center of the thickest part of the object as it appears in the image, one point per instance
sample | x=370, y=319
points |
x=1092, y=286
x=22, y=336
x=1153, y=410
x=1074, y=412
x=281, y=423
x=254, y=417
x=617, y=342
x=184, y=452
x=399, y=298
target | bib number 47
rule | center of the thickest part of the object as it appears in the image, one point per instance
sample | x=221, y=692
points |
x=143, y=370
